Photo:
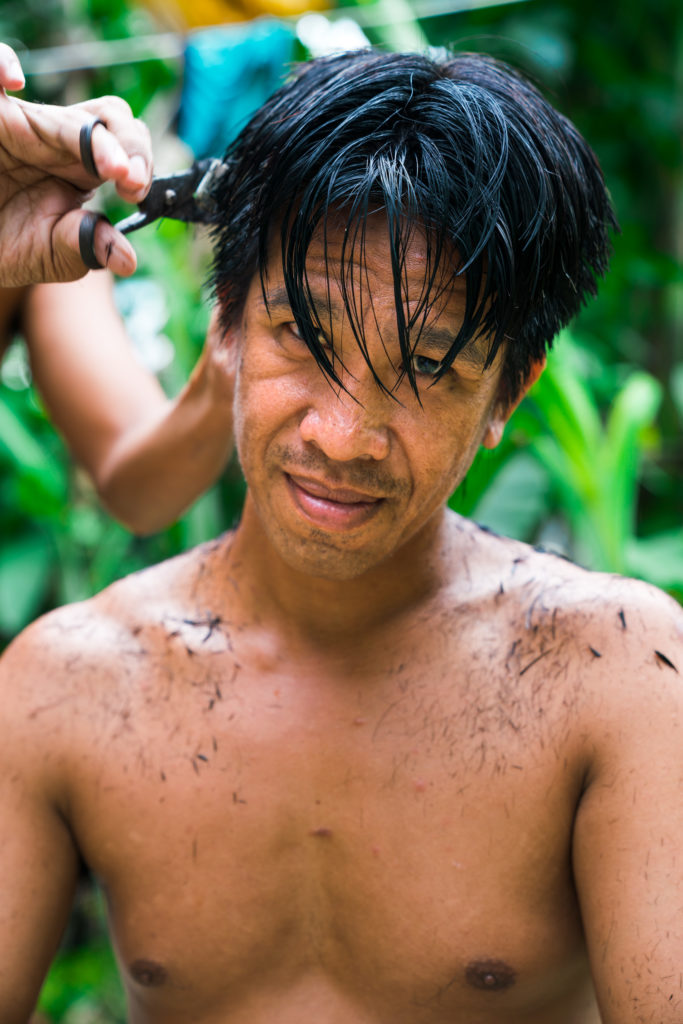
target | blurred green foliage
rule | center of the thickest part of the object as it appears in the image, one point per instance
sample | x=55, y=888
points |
x=57, y=544
x=591, y=463
x=83, y=986
x=603, y=425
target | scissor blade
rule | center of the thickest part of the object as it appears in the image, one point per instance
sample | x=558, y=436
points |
x=132, y=223
x=183, y=196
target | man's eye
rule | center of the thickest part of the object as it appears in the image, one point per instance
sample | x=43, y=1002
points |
x=425, y=366
x=293, y=328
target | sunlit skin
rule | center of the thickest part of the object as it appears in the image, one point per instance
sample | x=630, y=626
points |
x=343, y=479
x=358, y=761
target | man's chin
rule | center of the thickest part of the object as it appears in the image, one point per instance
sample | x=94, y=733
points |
x=322, y=558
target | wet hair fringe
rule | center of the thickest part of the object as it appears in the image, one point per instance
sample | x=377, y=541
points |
x=504, y=189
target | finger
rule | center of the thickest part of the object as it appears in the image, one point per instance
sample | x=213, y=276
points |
x=85, y=146
x=50, y=137
x=86, y=239
x=122, y=152
x=83, y=238
x=11, y=75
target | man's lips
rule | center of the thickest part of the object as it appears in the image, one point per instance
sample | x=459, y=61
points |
x=330, y=492
x=331, y=507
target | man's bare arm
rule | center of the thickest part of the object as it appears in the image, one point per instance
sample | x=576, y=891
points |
x=43, y=183
x=628, y=848
x=148, y=456
x=38, y=861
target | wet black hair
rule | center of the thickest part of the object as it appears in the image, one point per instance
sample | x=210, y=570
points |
x=462, y=147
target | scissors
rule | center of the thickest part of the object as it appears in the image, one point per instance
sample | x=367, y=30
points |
x=184, y=195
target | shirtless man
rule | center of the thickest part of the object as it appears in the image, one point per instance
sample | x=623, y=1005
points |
x=149, y=457
x=361, y=762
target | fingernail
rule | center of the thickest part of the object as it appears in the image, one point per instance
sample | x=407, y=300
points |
x=137, y=170
x=16, y=73
x=121, y=257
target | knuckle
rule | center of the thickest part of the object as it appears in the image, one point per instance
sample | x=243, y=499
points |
x=143, y=131
x=114, y=106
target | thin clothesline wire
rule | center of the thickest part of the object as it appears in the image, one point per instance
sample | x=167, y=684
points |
x=171, y=45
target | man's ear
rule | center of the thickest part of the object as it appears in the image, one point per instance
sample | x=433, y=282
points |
x=219, y=361
x=503, y=408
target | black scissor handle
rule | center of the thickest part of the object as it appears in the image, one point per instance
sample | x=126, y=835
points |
x=184, y=195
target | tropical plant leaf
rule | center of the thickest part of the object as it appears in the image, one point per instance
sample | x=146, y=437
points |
x=517, y=499
x=658, y=559
x=26, y=568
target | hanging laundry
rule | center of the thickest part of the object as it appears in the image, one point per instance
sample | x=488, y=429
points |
x=230, y=70
x=183, y=14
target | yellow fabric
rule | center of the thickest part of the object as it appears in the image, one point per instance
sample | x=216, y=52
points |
x=184, y=14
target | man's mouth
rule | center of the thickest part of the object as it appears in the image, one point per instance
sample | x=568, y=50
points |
x=330, y=506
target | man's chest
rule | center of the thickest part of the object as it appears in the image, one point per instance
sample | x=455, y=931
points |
x=388, y=833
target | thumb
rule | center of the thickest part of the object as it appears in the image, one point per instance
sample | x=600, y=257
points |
x=110, y=247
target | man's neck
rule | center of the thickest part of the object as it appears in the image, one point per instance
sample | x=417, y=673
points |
x=331, y=611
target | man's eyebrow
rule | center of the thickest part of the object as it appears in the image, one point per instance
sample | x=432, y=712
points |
x=439, y=341
x=277, y=298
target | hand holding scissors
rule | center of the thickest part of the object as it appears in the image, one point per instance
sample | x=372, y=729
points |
x=44, y=180
x=183, y=195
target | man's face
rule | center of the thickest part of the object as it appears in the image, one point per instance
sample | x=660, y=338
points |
x=341, y=481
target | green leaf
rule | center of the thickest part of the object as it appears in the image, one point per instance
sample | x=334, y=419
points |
x=25, y=571
x=84, y=985
x=658, y=559
x=40, y=480
x=634, y=408
x=566, y=401
x=677, y=388
x=203, y=520
x=517, y=499
x=18, y=443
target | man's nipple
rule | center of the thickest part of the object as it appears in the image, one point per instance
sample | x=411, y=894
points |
x=490, y=975
x=148, y=973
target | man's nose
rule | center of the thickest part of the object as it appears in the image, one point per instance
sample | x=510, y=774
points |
x=348, y=426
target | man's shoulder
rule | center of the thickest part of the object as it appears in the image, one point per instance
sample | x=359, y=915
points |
x=82, y=645
x=515, y=568
x=67, y=676
x=605, y=617
x=602, y=652
x=626, y=612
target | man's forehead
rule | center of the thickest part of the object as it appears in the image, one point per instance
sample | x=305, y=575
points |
x=351, y=275
x=435, y=335
x=359, y=256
